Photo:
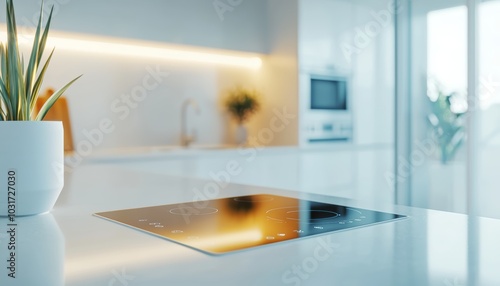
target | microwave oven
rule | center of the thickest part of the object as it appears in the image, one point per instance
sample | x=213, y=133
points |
x=328, y=93
x=328, y=109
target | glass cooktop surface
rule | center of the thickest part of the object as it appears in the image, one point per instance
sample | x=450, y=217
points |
x=229, y=224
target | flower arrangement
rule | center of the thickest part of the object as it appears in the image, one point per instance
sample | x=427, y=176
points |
x=241, y=103
x=20, y=84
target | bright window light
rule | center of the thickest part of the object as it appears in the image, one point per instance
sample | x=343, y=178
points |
x=447, y=47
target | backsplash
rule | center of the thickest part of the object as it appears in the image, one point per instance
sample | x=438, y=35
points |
x=140, y=100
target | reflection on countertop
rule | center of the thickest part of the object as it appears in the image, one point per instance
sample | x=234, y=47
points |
x=33, y=248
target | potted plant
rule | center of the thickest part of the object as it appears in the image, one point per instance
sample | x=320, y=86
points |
x=241, y=103
x=447, y=121
x=31, y=150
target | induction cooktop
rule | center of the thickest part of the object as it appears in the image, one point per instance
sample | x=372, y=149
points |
x=229, y=224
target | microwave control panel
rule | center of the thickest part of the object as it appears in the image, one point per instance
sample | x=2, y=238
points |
x=323, y=131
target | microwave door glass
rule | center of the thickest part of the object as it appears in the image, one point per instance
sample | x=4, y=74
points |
x=328, y=94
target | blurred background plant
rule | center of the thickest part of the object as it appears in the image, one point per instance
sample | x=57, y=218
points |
x=446, y=118
x=241, y=103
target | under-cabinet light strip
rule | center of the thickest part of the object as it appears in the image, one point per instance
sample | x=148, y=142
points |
x=139, y=49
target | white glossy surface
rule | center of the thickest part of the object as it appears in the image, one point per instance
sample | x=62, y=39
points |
x=130, y=153
x=429, y=248
x=344, y=170
x=39, y=247
x=360, y=172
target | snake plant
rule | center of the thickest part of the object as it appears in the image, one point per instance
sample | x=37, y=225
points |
x=19, y=84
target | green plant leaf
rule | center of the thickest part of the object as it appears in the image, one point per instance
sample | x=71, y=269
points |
x=33, y=63
x=39, y=81
x=3, y=116
x=3, y=60
x=52, y=99
x=36, y=55
x=15, y=74
x=5, y=99
x=6, y=107
x=19, y=84
x=43, y=40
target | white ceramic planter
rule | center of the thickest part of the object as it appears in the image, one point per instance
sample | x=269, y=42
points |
x=31, y=165
x=447, y=191
x=241, y=134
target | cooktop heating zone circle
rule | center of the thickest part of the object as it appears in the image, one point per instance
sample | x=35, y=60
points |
x=314, y=216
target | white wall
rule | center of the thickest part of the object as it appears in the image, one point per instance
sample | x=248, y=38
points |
x=280, y=75
x=155, y=120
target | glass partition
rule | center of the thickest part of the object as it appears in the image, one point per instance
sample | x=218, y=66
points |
x=448, y=134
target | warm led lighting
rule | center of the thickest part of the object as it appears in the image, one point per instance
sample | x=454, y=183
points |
x=135, y=49
x=230, y=239
x=87, y=264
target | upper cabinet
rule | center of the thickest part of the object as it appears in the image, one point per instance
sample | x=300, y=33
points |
x=223, y=24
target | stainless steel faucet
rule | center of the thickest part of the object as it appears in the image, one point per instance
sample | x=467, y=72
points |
x=186, y=139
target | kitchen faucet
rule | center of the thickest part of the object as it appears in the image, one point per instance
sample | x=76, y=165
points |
x=186, y=139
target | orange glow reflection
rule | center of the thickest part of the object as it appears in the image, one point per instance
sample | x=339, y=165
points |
x=216, y=226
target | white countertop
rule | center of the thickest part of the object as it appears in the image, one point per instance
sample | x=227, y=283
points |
x=71, y=247
x=343, y=170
